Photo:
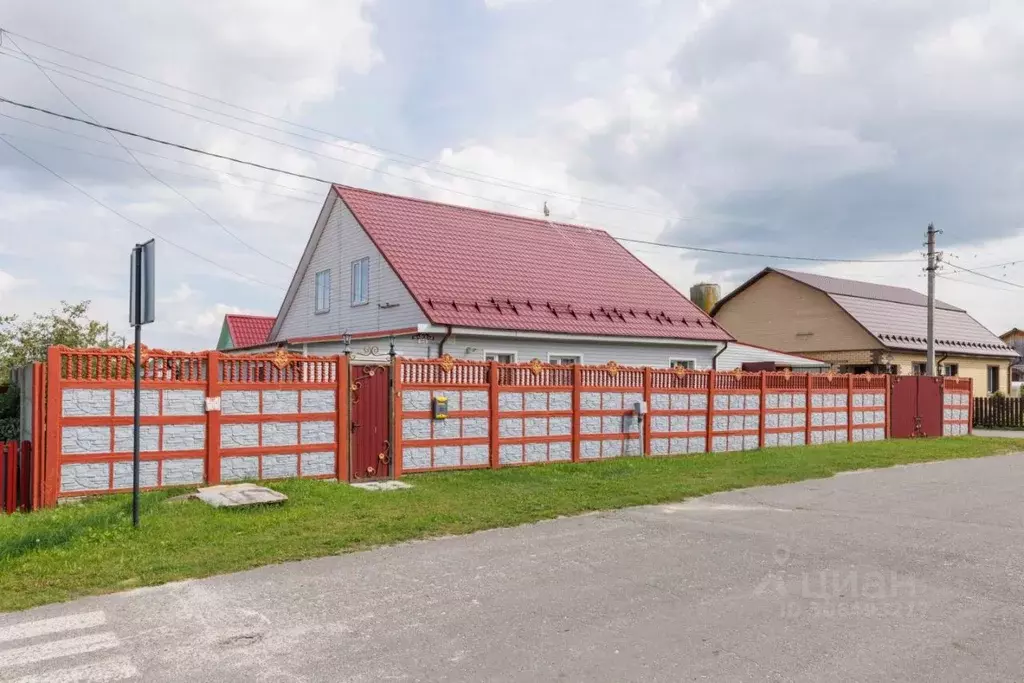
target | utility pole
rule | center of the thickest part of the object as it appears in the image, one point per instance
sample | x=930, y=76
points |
x=933, y=265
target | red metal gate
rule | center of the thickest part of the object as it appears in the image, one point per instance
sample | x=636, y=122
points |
x=371, y=433
x=916, y=407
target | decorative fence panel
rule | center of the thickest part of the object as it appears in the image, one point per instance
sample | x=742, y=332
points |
x=957, y=406
x=204, y=417
x=463, y=439
x=608, y=426
x=678, y=406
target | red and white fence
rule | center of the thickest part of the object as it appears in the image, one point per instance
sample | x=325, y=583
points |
x=210, y=418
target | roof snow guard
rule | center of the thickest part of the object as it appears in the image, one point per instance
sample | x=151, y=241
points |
x=472, y=268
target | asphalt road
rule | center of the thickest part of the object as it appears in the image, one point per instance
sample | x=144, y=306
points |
x=911, y=573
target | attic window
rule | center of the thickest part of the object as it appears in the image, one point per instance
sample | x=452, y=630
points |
x=322, y=298
x=361, y=281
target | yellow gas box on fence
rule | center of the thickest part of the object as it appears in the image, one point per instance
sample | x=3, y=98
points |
x=440, y=406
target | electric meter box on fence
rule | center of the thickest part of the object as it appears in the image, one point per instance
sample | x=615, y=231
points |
x=439, y=407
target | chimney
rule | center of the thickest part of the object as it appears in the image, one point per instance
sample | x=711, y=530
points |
x=705, y=295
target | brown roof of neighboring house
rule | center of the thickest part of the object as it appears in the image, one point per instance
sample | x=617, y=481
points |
x=896, y=316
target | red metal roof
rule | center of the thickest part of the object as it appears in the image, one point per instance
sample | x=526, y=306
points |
x=475, y=268
x=248, y=330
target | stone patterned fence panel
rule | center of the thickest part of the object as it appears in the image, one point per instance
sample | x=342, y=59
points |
x=607, y=422
x=785, y=418
x=957, y=407
x=460, y=441
x=204, y=419
x=735, y=411
x=869, y=408
x=678, y=412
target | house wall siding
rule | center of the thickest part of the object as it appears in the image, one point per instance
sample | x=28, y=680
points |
x=789, y=316
x=342, y=241
x=969, y=366
x=594, y=353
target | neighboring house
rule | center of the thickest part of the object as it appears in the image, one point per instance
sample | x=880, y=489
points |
x=1015, y=340
x=438, y=279
x=244, y=331
x=749, y=357
x=862, y=327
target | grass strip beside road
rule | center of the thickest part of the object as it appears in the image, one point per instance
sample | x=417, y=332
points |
x=90, y=548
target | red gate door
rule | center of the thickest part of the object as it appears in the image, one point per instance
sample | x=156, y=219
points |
x=916, y=407
x=929, y=405
x=371, y=445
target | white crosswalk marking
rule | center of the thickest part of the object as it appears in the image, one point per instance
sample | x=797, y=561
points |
x=33, y=629
x=31, y=654
x=117, y=669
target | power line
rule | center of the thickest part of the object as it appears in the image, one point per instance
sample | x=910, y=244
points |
x=974, y=284
x=767, y=256
x=306, y=176
x=120, y=215
x=987, y=277
x=145, y=169
x=177, y=173
x=352, y=145
x=213, y=169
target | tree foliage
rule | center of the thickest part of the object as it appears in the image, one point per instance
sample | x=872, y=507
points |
x=24, y=341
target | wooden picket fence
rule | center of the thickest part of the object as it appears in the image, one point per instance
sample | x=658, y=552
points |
x=999, y=411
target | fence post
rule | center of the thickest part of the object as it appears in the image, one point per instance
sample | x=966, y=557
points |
x=9, y=452
x=711, y=410
x=647, y=418
x=492, y=415
x=213, y=390
x=888, y=405
x=807, y=412
x=396, y=419
x=342, y=428
x=38, y=432
x=762, y=402
x=51, y=456
x=577, y=382
x=970, y=405
x=849, y=409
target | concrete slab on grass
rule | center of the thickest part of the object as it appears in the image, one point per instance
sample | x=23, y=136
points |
x=239, y=495
x=382, y=485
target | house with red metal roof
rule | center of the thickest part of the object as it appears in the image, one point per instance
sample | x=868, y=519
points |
x=435, y=279
x=862, y=327
x=244, y=331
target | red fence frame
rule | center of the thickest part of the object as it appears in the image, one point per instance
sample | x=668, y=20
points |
x=209, y=372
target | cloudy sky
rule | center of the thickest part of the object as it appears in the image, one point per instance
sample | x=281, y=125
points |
x=799, y=127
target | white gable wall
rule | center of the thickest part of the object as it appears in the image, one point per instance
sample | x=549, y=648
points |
x=342, y=241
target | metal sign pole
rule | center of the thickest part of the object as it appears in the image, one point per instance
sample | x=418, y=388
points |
x=141, y=310
x=136, y=407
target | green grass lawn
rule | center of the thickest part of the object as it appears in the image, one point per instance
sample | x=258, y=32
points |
x=90, y=548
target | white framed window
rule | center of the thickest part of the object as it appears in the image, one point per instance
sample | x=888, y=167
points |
x=920, y=369
x=322, y=298
x=993, y=379
x=685, y=363
x=361, y=281
x=500, y=356
x=565, y=358
x=950, y=369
